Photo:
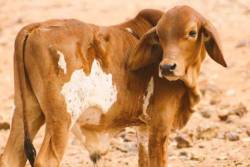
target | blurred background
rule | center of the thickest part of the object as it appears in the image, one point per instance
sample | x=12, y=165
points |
x=217, y=135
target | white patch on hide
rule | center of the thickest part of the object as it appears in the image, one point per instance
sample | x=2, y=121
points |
x=61, y=62
x=91, y=116
x=129, y=30
x=94, y=90
x=146, y=98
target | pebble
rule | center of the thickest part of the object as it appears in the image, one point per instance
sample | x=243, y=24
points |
x=240, y=110
x=228, y=114
x=197, y=158
x=207, y=133
x=183, y=154
x=222, y=158
x=201, y=146
x=216, y=99
x=205, y=113
x=232, y=118
x=4, y=126
x=232, y=136
x=248, y=132
x=182, y=141
x=223, y=114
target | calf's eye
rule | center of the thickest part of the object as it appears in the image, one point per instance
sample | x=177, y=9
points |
x=192, y=34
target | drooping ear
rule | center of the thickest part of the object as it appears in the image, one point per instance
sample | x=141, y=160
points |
x=146, y=52
x=212, y=43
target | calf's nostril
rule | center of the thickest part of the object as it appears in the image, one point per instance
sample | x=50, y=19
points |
x=173, y=66
x=167, y=68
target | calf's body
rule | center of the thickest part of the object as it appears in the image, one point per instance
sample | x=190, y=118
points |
x=140, y=73
x=65, y=69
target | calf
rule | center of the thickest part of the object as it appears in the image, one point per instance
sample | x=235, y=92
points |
x=183, y=36
x=65, y=69
x=96, y=73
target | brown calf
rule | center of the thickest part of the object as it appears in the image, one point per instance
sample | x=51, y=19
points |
x=182, y=36
x=65, y=69
x=68, y=69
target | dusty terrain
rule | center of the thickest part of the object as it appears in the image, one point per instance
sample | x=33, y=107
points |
x=217, y=135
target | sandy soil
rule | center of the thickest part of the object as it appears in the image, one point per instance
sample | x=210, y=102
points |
x=217, y=135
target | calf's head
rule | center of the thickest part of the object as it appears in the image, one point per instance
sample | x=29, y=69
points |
x=178, y=43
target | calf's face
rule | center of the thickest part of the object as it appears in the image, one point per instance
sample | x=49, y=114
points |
x=178, y=44
x=179, y=35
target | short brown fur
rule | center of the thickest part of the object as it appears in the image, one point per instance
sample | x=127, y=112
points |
x=182, y=35
x=39, y=80
x=161, y=43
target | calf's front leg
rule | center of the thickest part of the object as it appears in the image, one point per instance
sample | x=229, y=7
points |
x=159, y=131
x=142, y=142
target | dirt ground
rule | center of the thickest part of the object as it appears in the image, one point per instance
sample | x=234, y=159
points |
x=217, y=135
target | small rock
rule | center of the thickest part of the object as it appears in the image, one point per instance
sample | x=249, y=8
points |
x=232, y=136
x=4, y=126
x=183, y=154
x=232, y=118
x=207, y=133
x=221, y=158
x=238, y=163
x=19, y=21
x=196, y=158
x=223, y=114
x=182, y=141
x=215, y=102
x=248, y=132
x=221, y=136
x=201, y=146
x=205, y=113
x=240, y=110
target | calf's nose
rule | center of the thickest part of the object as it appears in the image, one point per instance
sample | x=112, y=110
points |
x=167, y=68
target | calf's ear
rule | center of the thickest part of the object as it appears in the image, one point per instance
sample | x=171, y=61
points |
x=212, y=43
x=146, y=52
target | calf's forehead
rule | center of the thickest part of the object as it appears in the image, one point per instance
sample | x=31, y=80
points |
x=176, y=21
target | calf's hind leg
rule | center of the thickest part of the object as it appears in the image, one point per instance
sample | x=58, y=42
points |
x=58, y=122
x=13, y=155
